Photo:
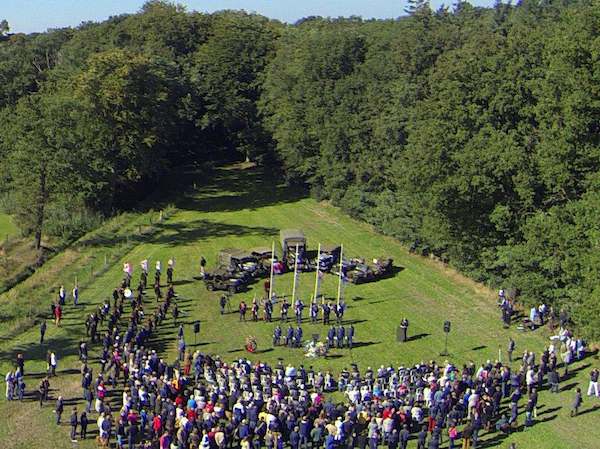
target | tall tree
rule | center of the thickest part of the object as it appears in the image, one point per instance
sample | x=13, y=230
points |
x=54, y=150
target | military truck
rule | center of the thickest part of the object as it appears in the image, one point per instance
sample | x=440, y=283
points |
x=222, y=279
x=359, y=272
x=241, y=261
x=290, y=240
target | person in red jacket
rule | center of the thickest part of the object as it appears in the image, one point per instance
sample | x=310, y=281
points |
x=156, y=426
x=57, y=314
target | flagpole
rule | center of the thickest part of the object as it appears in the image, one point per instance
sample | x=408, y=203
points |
x=271, y=275
x=295, y=274
x=317, y=275
x=339, y=292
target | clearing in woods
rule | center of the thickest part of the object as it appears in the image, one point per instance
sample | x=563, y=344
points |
x=246, y=208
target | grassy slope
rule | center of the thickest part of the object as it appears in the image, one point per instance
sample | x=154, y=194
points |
x=243, y=209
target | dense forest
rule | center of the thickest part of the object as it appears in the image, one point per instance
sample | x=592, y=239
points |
x=472, y=134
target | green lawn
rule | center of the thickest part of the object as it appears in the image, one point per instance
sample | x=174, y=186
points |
x=7, y=227
x=243, y=208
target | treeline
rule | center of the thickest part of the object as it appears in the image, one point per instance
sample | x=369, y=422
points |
x=468, y=133
x=93, y=117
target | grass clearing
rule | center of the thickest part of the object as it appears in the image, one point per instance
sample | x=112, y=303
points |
x=244, y=208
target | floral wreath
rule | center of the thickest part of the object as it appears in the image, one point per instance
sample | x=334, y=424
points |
x=251, y=344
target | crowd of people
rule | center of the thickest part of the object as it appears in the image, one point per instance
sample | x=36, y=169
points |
x=140, y=400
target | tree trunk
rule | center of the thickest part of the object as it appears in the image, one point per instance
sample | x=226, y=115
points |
x=40, y=209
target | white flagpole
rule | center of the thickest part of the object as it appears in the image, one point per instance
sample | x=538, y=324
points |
x=339, y=292
x=271, y=276
x=295, y=275
x=317, y=275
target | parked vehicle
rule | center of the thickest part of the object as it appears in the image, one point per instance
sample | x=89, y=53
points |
x=222, y=279
x=290, y=240
x=329, y=256
x=238, y=260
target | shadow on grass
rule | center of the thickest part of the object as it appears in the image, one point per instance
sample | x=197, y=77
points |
x=361, y=344
x=589, y=410
x=174, y=234
x=182, y=282
x=550, y=410
x=228, y=190
x=234, y=190
x=418, y=336
x=34, y=351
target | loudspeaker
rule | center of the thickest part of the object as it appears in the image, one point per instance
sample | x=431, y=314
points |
x=447, y=327
x=196, y=327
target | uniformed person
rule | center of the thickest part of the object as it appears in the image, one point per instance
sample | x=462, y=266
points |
x=276, y=336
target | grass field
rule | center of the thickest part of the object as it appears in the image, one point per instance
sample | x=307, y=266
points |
x=243, y=208
x=7, y=227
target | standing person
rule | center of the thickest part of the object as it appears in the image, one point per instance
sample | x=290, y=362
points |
x=157, y=291
x=62, y=295
x=21, y=387
x=83, y=422
x=170, y=265
x=593, y=387
x=466, y=434
x=404, y=436
x=181, y=349
x=314, y=312
x=298, y=308
x=392, y=440
x=243, y=307
x=330, y=337
x=43, y=390
x=452, y=435
x=144, y=273
x=298, y=337
x=175, y=314
x=350, y=336
x=340, y=336
x=42, y=331
x=202, y=266
x=20, y=362
x=577, y=401
x=276, y=335
x=75, y=295
x=422, y=438
x=9, y=380
x=53, y=363
x=74, y=421
x=553, y=380
x=284, y=310
x=567, y=359
x=157, y=273
x=511, y=347
x=57, y=314
x=404, y=330
x=223, y=303
x=326, y=311
x=132, y=433
x=58, y=410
